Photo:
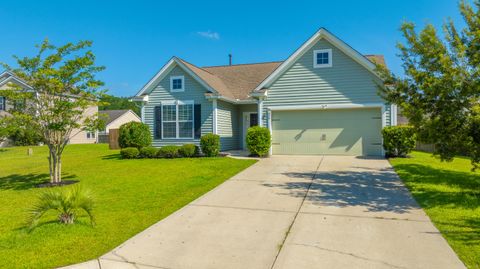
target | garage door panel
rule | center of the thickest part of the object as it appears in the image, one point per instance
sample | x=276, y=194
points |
x=341, y=132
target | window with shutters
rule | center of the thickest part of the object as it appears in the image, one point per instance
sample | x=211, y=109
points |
x=2, y=103
x=177, y=120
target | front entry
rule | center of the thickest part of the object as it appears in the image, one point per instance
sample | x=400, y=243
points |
x=249, y=119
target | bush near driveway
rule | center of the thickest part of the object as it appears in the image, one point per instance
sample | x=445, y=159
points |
x=258, y=140
x=398, y=141
x=210, y=144
x=130, y=195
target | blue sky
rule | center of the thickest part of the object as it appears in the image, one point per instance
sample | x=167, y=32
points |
x=134, y=39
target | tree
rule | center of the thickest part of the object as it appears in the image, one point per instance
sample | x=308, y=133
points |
x=114, y=103
x=62, y=86
x=440, y=91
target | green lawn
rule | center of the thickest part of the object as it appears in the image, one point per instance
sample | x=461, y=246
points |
x=130, y=196
x=450, y=194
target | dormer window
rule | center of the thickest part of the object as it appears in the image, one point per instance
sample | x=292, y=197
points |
x=322, y=58
x=177, y=84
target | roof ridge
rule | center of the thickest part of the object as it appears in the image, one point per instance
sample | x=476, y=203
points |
x=241, y=64
x=195, y=66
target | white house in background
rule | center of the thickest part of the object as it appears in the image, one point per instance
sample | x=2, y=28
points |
x=115, y=118
x=77, y=137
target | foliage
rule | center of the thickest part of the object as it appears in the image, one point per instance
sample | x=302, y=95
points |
x=148, y=152
x=449, y=193
x=68, y=203
x=398, y=141
x=62, y=85
x=130, y=196
x=134, y=134
x=258, y=140
x=129, y=153
x=440, y=91
x=110, y=102
x=210, y=145
x=19, y=131
x=170, y=151
x=188, y=150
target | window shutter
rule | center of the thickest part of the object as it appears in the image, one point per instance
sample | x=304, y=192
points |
x=158, y=122
x=198, y=120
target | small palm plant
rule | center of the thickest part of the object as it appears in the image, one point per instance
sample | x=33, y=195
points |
x=67, y=202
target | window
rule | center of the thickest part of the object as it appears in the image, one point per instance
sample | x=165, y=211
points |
x=177, y=84
x=322, y=58
x=177, y=120
x=2, y=103
x=90, y=135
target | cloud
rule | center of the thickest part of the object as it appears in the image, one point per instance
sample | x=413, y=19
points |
x=210, y=35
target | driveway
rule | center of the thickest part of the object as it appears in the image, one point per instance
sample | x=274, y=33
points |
x=294, y=212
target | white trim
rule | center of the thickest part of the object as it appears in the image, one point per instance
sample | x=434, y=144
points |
x=326, y=106
x=315, y=52
x=393, y=115
x=260, y=112
x=176, y=103
x=270, y=128
x=215, y=115
x=230, y=100
x=182, y=78
x=322, y=33
x=11, y=76
x=245, y=119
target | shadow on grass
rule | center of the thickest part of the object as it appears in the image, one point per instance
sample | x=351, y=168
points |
x=112, y=157
x=28, y=181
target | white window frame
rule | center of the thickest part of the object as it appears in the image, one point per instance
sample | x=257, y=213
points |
x=177, y=103
x=91, y=135
x=183, y=83
x=315, y=52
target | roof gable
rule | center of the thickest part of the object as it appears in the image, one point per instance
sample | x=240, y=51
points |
x=9, y=77
x=169, y=67
x=112, y=115
x=322, y=33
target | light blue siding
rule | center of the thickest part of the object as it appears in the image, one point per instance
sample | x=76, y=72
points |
x=346, y=82
x=227, y=125
x=193, y=91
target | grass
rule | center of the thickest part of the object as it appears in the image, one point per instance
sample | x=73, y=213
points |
x=450, y=194
x=130, y=196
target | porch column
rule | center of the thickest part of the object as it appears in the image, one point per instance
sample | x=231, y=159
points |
x=142, y=112
x=260, y=112
x=214, y=123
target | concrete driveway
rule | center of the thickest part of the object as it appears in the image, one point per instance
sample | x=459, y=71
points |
x=294, y=212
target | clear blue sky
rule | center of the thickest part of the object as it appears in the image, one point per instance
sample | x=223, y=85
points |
x=134, y=39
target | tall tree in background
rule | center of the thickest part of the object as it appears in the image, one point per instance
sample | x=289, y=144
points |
x=111, y=102
x=441, y=88
x=63, y=86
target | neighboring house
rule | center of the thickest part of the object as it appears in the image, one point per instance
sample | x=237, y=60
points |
x=78, y=136
x=116, y=118
x=321, y=100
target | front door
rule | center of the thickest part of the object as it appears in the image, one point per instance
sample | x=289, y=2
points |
x=249, y=119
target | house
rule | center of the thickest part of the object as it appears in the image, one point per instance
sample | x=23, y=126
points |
x=116, y=118
x=321, y=100
x=78, y=136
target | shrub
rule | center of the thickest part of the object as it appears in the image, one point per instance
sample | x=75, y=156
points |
x=134, y=134
x=168, y=152
x=129, y=153
x=68, y=203
x=187, y=150
x=398, y=141
x=210, y=144
x=148, y=152
x=258, y=140
x=25, y=137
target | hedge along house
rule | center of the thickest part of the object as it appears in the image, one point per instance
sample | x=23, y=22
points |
x=321, y=100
